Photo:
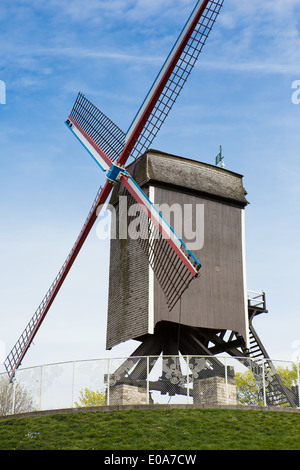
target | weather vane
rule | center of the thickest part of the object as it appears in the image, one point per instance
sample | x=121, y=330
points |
x=220, y=158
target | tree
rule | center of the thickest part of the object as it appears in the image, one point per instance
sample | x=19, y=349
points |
x=288, y=376
x=248, y=391
x=14, y=398
x=88, y=397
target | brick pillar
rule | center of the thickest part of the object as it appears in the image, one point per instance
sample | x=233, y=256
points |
x=212, y=391
x=124, y=394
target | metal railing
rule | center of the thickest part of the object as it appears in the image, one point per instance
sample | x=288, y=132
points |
x=257, y=299
x=193, y=380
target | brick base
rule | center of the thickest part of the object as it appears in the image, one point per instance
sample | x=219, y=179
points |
x=128, y=395
x=212, y=391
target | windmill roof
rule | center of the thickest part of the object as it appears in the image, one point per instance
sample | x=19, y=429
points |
x=159, y=168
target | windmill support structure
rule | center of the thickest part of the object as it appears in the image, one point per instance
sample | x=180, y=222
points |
x=212, y=317
x=172, y=340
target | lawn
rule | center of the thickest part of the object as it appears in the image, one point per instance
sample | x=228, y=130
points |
x=155, y=429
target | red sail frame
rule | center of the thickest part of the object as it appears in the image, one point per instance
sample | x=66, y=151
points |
x=18, y=352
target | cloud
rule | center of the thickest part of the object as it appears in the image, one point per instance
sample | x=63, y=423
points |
x=89, y=53
x=261, y=37
x=251, y=66
x=114, y=11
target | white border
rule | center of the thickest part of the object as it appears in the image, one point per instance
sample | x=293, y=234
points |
x=247, y=340
x=151, y=282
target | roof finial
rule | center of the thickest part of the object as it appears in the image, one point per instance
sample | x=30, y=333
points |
x=220, y=158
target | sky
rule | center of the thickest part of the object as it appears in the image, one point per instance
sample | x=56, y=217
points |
x=239, y=96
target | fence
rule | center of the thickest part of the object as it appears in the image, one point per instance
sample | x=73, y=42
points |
x=193, y=380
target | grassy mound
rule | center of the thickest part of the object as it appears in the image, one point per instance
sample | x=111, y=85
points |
x=154, y=429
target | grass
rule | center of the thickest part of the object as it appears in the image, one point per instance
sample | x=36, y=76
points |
x=177, y=429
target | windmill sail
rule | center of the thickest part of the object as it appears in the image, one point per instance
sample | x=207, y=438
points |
x=89, y=122
x=173, y=75
x=173, y=264
x=19, y=350
x=104, y=132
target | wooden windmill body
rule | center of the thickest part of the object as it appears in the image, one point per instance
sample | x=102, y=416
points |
x=215, y=314
x=217, y=299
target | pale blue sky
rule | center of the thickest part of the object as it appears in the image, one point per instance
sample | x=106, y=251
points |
x=239, y=95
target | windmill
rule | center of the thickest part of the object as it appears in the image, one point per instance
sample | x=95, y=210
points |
x=215, y=315
x=174, y=265
x=111, y=149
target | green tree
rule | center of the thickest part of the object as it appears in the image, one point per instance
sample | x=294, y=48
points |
x=89, y=397
x=248, y=391
x=288, y=376
x=14, y=398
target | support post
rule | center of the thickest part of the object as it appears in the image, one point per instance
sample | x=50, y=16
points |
x=298, y=382
x=187, y=380
x=148, y=380
x=264, y=384
x=108, y=382
x=73, y=384
x=226, y=382
x=14, y=384
x=41, y=387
